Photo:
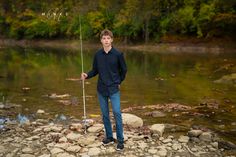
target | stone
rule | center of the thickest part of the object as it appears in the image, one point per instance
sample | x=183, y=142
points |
x=48, y=129
x=36, y=137
x=110, y=150
x=170, y=137
x=44, y=121
x=27, y=155
x=132, y=120
x=159, y=114
x=168, y=144
x=84, y=141
x=194, y=149
x=27, y=150
x=95, y=144
x=56, y=151
x=40, y=111
x=162, y=152
x=215, y=144
x=2, y=149
x=56, y=128
x=45, y=155
x=94, y=151
x=62, y=145
x=37, y=130
x=183, y=139
x=50, y=146
x=63, y=139
x=195, y=139
x=142, y=145
x=167, y=140
x=95, y=128
x=152, y=151
x=158, y=128
x=206, y=136
x=137, y=138
x=227, y=79
x=176, y=146
x=64, y=155
x=74, y=149
x=195, y=133
x=76, y=126
x=8, y=139
x=73, y=136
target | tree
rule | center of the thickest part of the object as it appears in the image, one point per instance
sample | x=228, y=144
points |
x=127, y=22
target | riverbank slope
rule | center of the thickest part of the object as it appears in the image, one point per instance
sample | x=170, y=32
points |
x=170, y=45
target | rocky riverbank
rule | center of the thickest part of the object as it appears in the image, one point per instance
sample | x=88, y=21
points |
x=171, y=47
x=66, y=137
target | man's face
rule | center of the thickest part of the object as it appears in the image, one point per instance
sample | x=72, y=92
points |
x=106, y=41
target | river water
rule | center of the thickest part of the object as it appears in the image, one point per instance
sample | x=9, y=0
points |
x=28, y=77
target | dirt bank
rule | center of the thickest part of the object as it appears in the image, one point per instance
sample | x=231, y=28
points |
x=166, y=46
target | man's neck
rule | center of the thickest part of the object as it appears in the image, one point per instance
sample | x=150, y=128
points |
x=107, y=49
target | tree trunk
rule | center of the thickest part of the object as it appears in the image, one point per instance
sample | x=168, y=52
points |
x=146, y=31
x=126, y=40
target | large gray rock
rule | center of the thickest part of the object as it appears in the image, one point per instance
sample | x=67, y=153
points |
x=158, y=129
x=132, y=120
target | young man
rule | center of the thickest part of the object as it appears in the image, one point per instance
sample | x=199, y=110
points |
x=110, y=65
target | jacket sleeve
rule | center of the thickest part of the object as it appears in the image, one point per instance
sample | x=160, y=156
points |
x=94, y=70
x=123, y=67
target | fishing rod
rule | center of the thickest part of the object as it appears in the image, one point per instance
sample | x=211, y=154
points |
x=82, y=69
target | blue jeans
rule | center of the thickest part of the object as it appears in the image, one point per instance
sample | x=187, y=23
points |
x=115, y=102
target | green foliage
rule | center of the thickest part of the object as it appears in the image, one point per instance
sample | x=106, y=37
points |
x=127, y=23
x=204, y=19
x=128, y=19
x=185, y=19
x=2, y=25
x=97, y=21
x=39, y=29
x=165, y=24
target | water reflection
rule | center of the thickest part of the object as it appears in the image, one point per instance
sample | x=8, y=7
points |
x=152, y=78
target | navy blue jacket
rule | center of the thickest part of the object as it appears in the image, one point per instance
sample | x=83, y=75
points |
x=111, y=68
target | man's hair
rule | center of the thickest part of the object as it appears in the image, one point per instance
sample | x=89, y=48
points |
x=106, y=32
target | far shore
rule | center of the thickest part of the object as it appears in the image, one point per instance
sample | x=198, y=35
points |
x=164, y=47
